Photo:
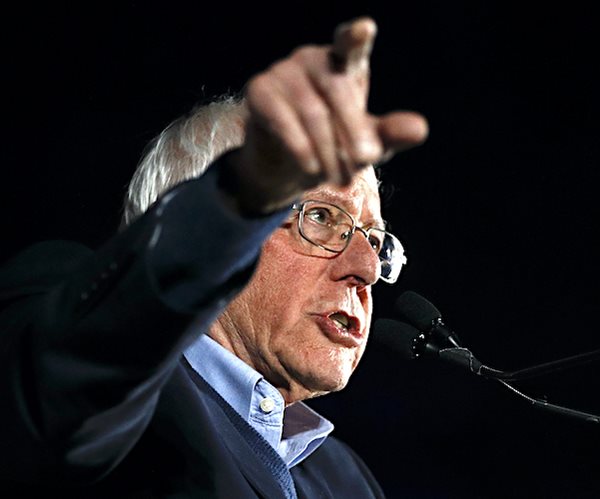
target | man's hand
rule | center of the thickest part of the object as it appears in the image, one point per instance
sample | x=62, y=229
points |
x=309, y=124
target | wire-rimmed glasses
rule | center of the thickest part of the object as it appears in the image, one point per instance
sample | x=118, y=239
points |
x=331, y=228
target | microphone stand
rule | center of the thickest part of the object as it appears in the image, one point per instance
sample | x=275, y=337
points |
x=545, y=368
x=440, y=342
x=557, y=409
x=465, y=358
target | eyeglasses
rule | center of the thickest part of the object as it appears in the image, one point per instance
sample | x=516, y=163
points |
x=331, y=228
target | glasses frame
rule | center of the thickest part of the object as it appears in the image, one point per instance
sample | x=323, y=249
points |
x=299, y=207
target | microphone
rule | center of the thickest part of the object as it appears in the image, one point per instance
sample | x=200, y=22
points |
x=428, y=336
x=423, y=315
x=410, y=343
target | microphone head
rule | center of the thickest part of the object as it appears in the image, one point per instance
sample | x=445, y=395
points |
x=397, y=336
x=416, y=310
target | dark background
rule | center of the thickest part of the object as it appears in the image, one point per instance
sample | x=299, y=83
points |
x=498, y=210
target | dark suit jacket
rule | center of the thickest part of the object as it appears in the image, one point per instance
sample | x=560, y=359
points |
x=96, y=399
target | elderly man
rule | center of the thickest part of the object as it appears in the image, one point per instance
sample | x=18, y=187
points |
x=110, y=384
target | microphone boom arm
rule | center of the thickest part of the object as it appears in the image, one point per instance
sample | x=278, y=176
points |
x=465, y=358
x=558, y=409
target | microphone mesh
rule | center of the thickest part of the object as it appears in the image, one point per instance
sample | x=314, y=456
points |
x=397, y=336
x=416, y=310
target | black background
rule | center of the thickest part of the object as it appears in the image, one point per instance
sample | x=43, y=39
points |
x=498, y=210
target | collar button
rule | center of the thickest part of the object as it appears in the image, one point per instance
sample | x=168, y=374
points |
x=267, y=405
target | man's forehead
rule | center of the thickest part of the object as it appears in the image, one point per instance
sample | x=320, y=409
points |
x=360, y=198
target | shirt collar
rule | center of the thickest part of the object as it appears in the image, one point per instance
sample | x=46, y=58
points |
x=294, y=432
x=231, y=377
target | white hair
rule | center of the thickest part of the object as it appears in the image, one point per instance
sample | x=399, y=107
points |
x=183, y=151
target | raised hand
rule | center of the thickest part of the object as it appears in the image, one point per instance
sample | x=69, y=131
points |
x=309, y=122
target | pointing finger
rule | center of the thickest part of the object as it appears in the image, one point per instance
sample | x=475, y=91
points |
x=352, y=45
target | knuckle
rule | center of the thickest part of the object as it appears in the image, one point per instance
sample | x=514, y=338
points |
x=306, y=53
x=315, y=111
x=283, y=69
x=336, y=83
x=258, y=86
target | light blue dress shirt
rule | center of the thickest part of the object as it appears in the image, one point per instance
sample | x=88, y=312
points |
x=294, y=432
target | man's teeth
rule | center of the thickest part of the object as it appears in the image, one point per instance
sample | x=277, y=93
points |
x=340, y=319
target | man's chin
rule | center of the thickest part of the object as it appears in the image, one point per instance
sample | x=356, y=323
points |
x=317, y=384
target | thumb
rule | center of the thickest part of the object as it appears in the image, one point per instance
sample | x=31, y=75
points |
x=400, y=131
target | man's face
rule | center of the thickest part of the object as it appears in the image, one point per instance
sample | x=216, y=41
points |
x=289, y=321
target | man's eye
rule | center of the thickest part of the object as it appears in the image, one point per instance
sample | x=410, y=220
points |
x=321, y=216
x=376, y=243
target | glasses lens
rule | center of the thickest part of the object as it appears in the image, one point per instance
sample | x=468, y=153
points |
x=325, y=225
x=391, y=254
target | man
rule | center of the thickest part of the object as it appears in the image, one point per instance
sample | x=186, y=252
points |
x=98, y=399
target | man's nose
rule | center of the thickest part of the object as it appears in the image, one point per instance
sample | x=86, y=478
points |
x=359, y=260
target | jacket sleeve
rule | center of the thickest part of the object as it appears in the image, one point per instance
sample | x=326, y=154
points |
x=87, y=339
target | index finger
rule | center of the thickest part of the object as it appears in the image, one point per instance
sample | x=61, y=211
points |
x=352, y=45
